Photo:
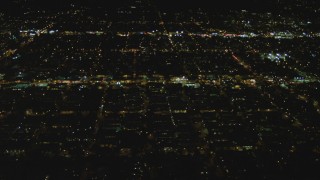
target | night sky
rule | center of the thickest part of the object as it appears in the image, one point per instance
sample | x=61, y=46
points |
x=164, y=4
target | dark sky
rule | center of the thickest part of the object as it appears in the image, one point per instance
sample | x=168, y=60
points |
x=216, y=4
x=163, y=4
